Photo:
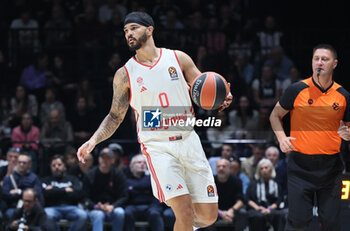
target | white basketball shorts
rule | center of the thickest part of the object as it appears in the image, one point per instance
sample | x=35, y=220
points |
x=180, y=167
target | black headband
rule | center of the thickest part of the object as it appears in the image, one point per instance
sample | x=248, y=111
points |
x=141, y=18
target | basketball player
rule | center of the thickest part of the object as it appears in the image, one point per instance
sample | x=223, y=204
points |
x=318, y=106
x=181, y=175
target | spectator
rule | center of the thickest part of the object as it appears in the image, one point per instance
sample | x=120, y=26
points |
x=227, y=152
x=269, y=36
x=5, y=110
x=80, y=170
x=115, y=35
x=37, y=76
x=267, y=89
x=242, y=46
x=22, y=102
x=280, y=62
x=263, y=130
x=216, y=40
x=26, y=137
x=264, y=197
x=294, y=76
x=235, y=169
x=141, y=205
x=49, y=104
x=62, y=193
x=114, y=63
x=171, y=20
x=58, y=29
x=12, y=160
x=229, y=189
x=87, y=90
x=24, y=32
x=7, y=79
x=106, y=191
x=118, y=155
x=21, y=179
x=249, y=164
x=70, y=157
x=83, y=121
x=273, y=154
x=63, y=80
x=243, y=118
x=5, y=124
x=31, y=214
x=6, y=170
x=89, y=36
x=56, y=133
x=105, y=11
x=221, y=133
x=245, y=69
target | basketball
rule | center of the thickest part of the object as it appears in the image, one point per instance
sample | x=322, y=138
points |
x=209, y=90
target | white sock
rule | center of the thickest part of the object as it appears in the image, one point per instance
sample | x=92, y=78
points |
x=194, y=228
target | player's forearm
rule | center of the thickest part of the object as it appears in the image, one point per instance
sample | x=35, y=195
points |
x=277, y=126
x=107, y=128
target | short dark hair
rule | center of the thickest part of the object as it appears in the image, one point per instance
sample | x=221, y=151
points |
x=55, y=157
x=23, y=153
x=327, y=47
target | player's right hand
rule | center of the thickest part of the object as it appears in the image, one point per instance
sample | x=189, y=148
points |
x=286, y=144
x=84, y=149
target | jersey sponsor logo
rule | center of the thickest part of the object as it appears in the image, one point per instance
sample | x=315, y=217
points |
x=310, y=101
x=173, y=73
x=169, y=187
x=143, y=89
x=335, y=106
x=179, y=187
x=152, y=118
x=211, y=191
x=139, y=81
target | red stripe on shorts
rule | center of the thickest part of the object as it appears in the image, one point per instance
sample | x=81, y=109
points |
x=160, y=193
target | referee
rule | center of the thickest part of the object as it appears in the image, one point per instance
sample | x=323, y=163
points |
x=320, y=116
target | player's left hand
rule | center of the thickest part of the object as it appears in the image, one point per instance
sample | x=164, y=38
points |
x=227, y=101
x=344, y=131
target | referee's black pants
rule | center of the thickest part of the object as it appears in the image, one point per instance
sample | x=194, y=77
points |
x=309, y=175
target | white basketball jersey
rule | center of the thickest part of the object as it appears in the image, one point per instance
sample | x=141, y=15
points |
x=161, y=85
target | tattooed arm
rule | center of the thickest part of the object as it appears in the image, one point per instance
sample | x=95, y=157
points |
x=111, y=122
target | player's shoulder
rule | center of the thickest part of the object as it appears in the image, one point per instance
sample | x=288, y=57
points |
x=339, y=88
x=297, y=87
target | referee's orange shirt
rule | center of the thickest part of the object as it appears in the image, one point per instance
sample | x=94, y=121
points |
x=315, y=116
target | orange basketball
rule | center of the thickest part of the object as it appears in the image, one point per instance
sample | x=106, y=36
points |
x=209, y=90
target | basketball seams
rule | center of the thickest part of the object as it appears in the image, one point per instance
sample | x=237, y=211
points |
x=209, y=90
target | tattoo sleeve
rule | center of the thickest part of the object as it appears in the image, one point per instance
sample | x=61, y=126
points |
x=119, y=107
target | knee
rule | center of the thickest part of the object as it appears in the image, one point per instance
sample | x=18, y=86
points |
x=50, y=213
x=81, y=214
x=186, y=214
x=96, y=215
x=119, y=212
x=204, y=218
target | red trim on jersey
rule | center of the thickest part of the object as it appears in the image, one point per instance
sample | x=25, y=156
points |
x=160, y=193
x=150, y=67
x=127, y=73
x=182, y=70
x=178, y=60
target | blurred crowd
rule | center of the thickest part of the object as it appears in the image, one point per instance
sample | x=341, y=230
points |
x=57, y=62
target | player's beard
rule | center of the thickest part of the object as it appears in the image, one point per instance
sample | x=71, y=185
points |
x=138, y=42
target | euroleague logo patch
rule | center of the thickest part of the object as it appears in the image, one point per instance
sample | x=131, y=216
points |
x=310, y=101
x=335, y=106
x=210, y=190
x=173, y=73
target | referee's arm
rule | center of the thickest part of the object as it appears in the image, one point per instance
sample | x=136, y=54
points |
x=276, y=116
